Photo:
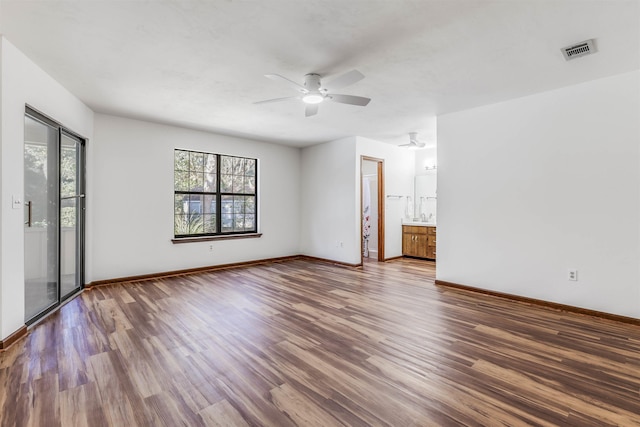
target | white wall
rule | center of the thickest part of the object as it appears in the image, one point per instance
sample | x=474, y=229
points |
x=532, y=187
x=132, y=217
x=22, y=82
x=330, y=209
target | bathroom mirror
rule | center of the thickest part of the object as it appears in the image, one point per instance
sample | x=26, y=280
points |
x=425, y=197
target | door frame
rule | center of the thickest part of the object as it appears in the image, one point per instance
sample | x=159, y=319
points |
x=380, y=178
x=81, y=206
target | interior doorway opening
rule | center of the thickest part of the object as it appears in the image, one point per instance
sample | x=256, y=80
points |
x=372, y=208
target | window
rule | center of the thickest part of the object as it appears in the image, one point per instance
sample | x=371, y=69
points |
x=214, y=194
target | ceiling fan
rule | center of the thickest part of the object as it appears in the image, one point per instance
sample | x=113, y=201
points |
x=313, y=92
x=413, y=144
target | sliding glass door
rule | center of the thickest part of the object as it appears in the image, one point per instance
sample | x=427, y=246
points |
x=54, y=220
x=41, y=222
x=71, y=210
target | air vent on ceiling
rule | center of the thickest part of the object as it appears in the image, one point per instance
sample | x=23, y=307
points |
x=586, y=47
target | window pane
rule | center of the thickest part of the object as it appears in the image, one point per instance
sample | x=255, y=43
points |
x=238, y=204
x=210, y=163
x=249, y=185
x=249, y=222
x=227, y=204
x=181, y=160
x=210, y=182
x=238, y=222
x=188, y=224
x=209, y=204
x=227, y=165
x=181, y=181
x=196, y=181
x=238, y=166
x=250, y=167
x=178, y=204
x=250, y=204
x=210, y=224
x=226, y=182
x=194, y=204
x=181, y=224
x=238, y=183
x=227, y=222
x=196, y=224
x=196, y=161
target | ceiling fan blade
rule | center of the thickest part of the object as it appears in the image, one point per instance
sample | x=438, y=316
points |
x=277, y=100
x=279, y=78
x=412, y=145
x=344, y=80
x=349, y=99
x=311, y=110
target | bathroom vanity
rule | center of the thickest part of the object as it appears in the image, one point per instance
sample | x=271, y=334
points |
x=419, y=226
x=419, y=240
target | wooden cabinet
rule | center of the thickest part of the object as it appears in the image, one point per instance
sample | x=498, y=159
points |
x=414, y=241
x=431, y=242
x=419, y=241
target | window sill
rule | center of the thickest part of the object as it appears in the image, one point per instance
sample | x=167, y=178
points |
x=210, y=238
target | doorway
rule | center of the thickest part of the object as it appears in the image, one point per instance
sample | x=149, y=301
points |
x=54, y=214
x=372, y=208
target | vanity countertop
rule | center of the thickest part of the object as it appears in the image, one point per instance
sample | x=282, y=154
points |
x=419, y=223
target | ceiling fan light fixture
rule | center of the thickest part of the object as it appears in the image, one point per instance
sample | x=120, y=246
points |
x=313, y=98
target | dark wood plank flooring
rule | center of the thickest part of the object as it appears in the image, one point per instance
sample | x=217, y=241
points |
x=309, y=344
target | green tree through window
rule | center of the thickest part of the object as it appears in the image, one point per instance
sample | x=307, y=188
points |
x=214, y=194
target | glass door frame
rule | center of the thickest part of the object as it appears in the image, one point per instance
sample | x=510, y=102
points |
x=80, y=207
x=80, y=226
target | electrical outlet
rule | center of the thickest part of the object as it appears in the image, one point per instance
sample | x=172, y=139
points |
x=210, y=248
x=572, y=274
x=342, y=244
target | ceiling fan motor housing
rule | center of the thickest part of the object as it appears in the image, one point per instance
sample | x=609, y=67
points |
x=315, y=94
x=312, y=82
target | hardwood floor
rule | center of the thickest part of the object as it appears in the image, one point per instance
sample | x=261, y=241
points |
x=310, y=344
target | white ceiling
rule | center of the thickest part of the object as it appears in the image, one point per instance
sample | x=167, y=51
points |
x=200, y=64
